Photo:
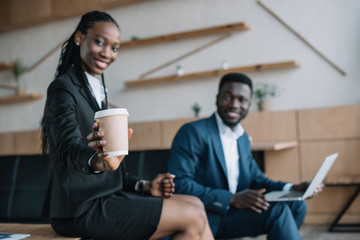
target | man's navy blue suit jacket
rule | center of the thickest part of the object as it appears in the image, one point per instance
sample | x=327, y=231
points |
x=198, y=162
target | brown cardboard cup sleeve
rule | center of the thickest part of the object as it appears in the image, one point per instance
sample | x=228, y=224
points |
x=114, y=123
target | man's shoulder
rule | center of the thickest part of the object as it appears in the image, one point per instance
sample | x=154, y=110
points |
x=198, y=129
x=199, y=123
x=245, y=139
x=194, y=131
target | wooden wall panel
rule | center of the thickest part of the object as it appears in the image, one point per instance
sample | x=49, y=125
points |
x=327, y=219
x=7, y=144
x=23, y=11
x=20, y=143
x=28, y=142
x=325, y=207
x=110, y=1
x=16, y=14
x=5, y=16
x=146, y=136
x=332, y=200
x=348, y=162
x=282, y=165
x=118, y=3
x=329, y=123
x=271, y=126
x=68, y=8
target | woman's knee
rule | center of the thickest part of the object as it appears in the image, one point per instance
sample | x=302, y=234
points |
x=182, y=216
x=189, y=210
x=190, y=199
x=195, y=215
x=197, y=202
x=196, y=208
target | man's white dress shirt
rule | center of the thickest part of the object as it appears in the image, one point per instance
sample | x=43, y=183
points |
x=229, y=139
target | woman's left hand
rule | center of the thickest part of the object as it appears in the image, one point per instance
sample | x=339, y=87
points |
x=161, y=186
x=101, y=161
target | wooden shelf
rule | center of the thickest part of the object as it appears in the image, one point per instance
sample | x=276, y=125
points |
x=6, y=66
x=272, y=146
x=278, y=65
x=14, y=17
x=187, y=34
x=20, y=98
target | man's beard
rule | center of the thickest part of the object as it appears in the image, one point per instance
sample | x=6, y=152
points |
x=233, y=124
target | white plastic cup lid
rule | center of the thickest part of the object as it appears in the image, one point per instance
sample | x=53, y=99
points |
x=118, y=153
x=111, y=112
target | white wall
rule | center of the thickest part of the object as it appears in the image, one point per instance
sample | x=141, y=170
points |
x=332, y=26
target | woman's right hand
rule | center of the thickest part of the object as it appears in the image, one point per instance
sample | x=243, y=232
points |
x=100, y=161
x=161, y=186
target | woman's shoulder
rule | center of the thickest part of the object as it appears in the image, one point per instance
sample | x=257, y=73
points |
x=65, y=81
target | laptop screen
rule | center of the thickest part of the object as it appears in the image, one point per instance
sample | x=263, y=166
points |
x=320, y=175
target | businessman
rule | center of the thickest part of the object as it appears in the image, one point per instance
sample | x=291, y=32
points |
x=211, y=159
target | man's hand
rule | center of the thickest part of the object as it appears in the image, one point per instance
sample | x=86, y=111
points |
x=304, y=185
x=250, y=199
x=100, y=161
x=301, y=187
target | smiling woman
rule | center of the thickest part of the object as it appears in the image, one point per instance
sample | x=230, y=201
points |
x=92, y=195
x=99, y=47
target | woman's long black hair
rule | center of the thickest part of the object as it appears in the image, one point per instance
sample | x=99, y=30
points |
x=70, y=56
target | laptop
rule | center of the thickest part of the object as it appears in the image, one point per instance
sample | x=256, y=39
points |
x=276, y=196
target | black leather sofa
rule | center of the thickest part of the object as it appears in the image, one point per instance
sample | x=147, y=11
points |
x=23, y=182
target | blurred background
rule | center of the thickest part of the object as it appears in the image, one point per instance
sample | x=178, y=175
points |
x=30, y=29
x=305, y=54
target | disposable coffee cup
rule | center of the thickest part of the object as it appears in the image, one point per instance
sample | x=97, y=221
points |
x=114, y=123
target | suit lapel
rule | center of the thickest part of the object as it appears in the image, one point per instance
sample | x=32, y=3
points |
x=90, y=99
x=242, y=179
x=244, y=170
x=216, y=141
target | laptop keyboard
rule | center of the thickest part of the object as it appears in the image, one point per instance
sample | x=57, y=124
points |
x=292, y=194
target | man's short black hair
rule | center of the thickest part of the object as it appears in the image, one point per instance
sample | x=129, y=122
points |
x=236, y=77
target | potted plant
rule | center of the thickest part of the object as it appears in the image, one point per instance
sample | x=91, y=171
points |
x=196, y=108
x=262, y=93
x=18, y=70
